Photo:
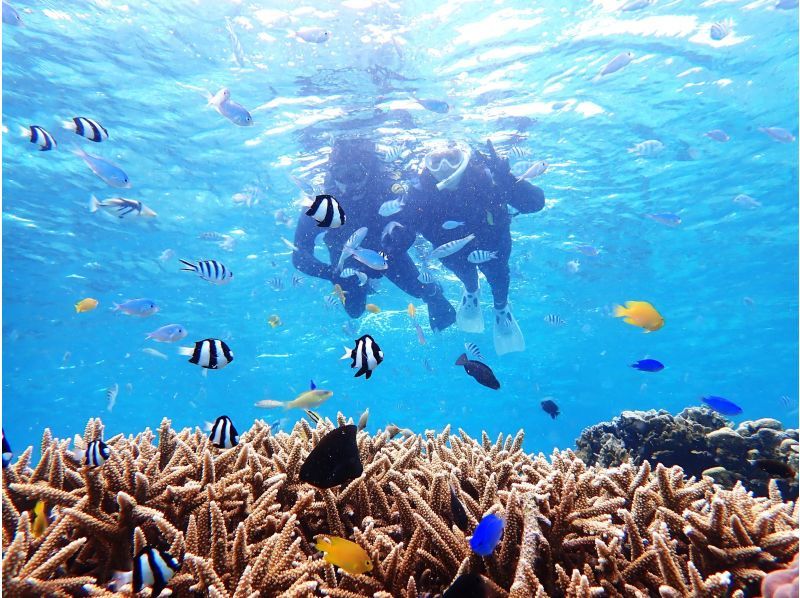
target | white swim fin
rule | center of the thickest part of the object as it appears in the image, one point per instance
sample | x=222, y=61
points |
x=469, y=317
x=507, y=334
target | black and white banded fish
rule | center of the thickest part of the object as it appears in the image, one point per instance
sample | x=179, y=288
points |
x=362, y=278
x=473, y=351
x=449, y=248
x=111, y=396
x=94, y=455
x=297, y=280
x=121, y=207
x=517, y=152
x=223, y=433
x=313, y=416
x=393, y=153
x=8, y=454
x=425, y=277
x=326, y=211
x=554, y=320
x=86, y=127
x=40, y=137
x=210, y=270
x=366, y=355
x=210, y=353
x=331, y=301
x=275, y=283
x=153, y=568
x=481, y=256
x=212, y=236
x=391, y=207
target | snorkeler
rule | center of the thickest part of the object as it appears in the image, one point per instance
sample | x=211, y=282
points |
x=356, y=179
x=462, y=193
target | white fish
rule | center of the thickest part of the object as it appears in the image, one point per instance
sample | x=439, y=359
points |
x=362, y=278
x=353, y=242
x=111, y=396
x=450, y=248
x=536, y=169
x=110, y=173
x=778, y=134
x=313, y=35
x=481, y=256
x=233, y=111
x=166, y=255
x=720, y=30
x=619, y=61
x=236, y=45
x=168, y=334
x=451, y=224
x=573, y=266
x=370, y=258
x=647, y=149
x=391, y=207
x=154, y=353
x=718, y=135
x=289, y=244
x=747, y=201
x=362, y=421
x=389, y=228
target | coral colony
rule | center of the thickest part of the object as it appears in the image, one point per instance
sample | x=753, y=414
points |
x=240, y=522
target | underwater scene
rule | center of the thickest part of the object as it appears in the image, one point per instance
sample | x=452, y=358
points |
x=398, y=298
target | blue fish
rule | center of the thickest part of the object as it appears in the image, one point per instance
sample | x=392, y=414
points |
x=435, y=106
x=110, y=173
x=648, y=365
x=723, y=406
x=487, y=535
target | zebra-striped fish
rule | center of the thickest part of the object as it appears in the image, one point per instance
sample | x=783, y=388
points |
x=480, y=256
x=94, y=455
x=86, y=127
x=210, y=353
x=450, y=248
x=391, y=207
x=327, y=211
x=153, y=568
x=111, y=396
x=210, y=270
x=425, y=277
x=473, y=351
x=223, y=433
x=40, y=137
x=366, y=355
x=275, y=283
x=393, y=153
x=554, y=320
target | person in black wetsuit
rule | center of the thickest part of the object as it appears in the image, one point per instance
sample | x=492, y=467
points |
x=459, y=185
x=355, y=177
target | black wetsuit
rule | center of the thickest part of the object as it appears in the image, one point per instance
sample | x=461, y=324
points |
x=401, y=271
x=480, y=201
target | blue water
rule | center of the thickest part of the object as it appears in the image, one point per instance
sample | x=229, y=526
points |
x=725, y=279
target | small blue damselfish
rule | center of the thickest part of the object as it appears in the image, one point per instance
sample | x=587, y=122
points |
x=648, y=365
x=723, y=406
x=487, y=535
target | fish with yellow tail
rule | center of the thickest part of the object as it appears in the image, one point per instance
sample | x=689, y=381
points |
x=412, y=311
x=344, y=554
x=85, y=305
x=40, y=520
x=311, y=398
x=339, y=293
x=640, y=313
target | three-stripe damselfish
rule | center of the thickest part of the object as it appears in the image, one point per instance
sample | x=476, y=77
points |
x=326, y=211
x=210, y=353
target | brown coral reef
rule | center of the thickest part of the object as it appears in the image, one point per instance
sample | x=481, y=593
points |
x=241, y=524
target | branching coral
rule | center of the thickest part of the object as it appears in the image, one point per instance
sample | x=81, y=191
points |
x=241, y=523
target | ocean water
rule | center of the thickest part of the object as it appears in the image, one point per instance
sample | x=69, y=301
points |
x=523, y=74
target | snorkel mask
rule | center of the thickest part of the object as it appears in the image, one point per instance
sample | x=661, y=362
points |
x=447, y=165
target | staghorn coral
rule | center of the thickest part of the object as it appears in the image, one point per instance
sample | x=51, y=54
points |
x=699, y=440
x=242, y=524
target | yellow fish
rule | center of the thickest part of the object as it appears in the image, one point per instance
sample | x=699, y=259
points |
x=640, y=313
x=87, y=304
x=412, y=311
x=305, y=400
x=39, y=520
x=344, y=553
x=372, y=308
x=274, y=321
x=337, y=290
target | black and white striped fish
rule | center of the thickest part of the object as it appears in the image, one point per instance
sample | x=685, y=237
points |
x=554, y=320
x=86, y=127
x=223, y=433
x=210, y=353
x=297, y=280
x=326, y=211
x=481, y=256
x=473, y=351
x=210, y=270
x=94, y=455
x=393, y=153
x=40, y=137
x=331, y=301
x=425, y=277
x=517, y=151
x=153, y=568
x=275, y=283
x=366, y=355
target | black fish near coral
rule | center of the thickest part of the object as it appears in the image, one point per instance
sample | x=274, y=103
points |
x=482, y=373
x=326, y=211
x=458, y=512
x=7, y=452
x=223, y=433
x=774, y=468
x=550, y=408
x=467, y=585
x=210, y=353
x=153, y=568
x=366, y=355
x=334, y=461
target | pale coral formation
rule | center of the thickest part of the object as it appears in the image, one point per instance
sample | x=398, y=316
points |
x=241, y=524
x=701, y=441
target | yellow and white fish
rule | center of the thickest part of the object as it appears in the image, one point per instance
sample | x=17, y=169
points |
x=640, y=313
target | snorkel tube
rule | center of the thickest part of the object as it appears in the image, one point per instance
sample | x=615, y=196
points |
x=451, y=182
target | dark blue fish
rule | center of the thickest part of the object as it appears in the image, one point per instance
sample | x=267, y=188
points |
x=7, y=453
x=480, y=371
x=467, y=585
x=723, y=406
x=435, y=106
x=487, y=535
x=648, y=365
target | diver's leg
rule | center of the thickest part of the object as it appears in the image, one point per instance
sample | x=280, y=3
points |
x=508, y=336
x=403, y=273
x=469, y=317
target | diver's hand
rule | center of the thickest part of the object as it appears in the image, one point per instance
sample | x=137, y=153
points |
x=500, y=166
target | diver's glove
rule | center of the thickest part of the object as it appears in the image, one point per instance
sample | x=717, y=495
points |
x=441, y=313
x=499, y=167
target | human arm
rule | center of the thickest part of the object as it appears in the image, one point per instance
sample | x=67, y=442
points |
x=521, y=195
x=303, y=255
